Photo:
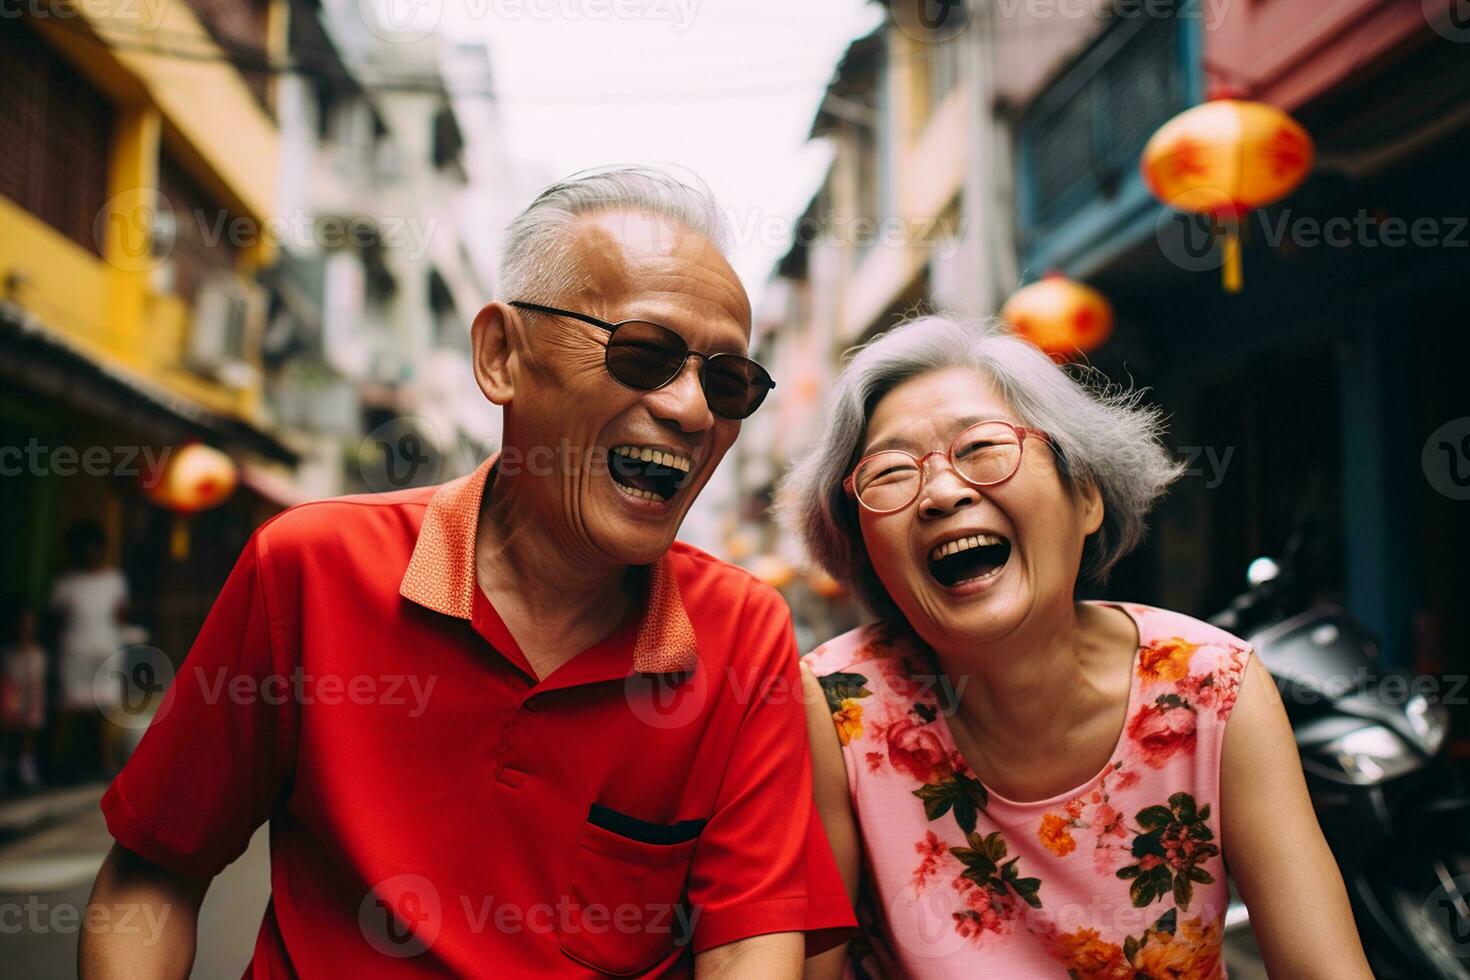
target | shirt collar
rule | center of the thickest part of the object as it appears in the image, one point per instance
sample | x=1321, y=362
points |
x=441, y=577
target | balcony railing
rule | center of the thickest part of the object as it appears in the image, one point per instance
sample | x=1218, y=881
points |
x=1080, y=140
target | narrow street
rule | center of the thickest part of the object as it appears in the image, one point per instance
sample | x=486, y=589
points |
x=45, y=879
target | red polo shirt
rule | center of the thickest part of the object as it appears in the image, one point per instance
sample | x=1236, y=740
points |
x=436, y=810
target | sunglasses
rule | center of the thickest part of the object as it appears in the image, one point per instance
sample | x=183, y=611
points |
x=646, y=356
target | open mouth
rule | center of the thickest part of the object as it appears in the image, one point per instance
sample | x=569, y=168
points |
x=648, y=473
x=968, y=559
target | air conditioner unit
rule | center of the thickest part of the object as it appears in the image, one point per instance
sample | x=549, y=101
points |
x=225, y=315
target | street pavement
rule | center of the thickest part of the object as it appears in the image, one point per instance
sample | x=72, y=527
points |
x=46, y=876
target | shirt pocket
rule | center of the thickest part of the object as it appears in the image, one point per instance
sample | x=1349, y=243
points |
x=627, y=883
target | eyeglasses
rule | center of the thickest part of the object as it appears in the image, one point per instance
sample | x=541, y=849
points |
x=984, y=454
x=646, y=356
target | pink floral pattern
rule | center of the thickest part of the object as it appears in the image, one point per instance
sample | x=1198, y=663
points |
x=1007, y=877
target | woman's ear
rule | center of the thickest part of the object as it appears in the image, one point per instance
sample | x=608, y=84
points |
x=493, y=339
x=1090, y=502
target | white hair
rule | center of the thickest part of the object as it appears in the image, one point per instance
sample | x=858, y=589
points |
x=1102, y=435
x=537, y=266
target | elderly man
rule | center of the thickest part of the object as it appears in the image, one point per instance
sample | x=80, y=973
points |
x=508, y=726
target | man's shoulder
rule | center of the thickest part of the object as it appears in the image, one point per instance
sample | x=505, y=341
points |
x=704, y=577
x=358, y=521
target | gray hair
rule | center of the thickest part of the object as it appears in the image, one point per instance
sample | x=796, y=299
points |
x=535, y=265
x=1102, y=434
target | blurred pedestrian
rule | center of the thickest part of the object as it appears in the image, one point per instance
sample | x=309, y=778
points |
x=90, y=602
x=22, y=696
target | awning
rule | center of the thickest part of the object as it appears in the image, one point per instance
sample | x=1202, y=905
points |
x=35, y=358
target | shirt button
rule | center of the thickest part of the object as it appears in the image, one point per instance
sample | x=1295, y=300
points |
x=530, y=705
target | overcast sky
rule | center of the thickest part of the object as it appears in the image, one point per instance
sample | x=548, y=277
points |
x=726, y=88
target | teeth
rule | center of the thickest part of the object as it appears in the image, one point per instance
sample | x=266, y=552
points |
x=640, y=494
x=964, y=544
x=671, y=461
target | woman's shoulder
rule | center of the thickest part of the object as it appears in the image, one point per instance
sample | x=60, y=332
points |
x=878, y=645
x=1160, y=627
x=1197, y=663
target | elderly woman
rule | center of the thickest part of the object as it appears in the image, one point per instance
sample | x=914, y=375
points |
x=1016, y=783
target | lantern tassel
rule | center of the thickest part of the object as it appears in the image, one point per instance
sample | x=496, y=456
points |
x=178, y=539
x=1233, y=270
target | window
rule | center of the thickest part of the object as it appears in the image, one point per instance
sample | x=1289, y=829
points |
x=54, y=137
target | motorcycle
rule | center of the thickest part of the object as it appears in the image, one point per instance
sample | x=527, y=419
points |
x=1372, y=744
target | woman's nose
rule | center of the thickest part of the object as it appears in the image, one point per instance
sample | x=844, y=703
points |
x=944, y=491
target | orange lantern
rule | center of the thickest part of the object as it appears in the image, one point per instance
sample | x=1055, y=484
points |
x=824, y=585
x=196, y=477
x=773, y=570
x=1061, y=316
x=1223, y=158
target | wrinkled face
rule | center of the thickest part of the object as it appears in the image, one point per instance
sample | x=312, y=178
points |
x=965, y=563
x=644, y=455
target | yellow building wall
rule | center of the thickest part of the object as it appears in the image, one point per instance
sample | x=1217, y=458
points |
x=211, y=122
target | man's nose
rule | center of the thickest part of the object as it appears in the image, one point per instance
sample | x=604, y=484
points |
x=944, y=490
x=682, y=400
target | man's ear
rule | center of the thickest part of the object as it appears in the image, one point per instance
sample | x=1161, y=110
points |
x=493, y=338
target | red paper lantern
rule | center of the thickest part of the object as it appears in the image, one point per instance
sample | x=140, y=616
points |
x=1061, y=316
x=195, y=477
x=1224, y=158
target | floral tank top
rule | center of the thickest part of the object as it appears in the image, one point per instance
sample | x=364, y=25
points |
x=1120, y=878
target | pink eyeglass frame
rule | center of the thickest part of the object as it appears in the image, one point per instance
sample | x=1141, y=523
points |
x=1021, y=431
